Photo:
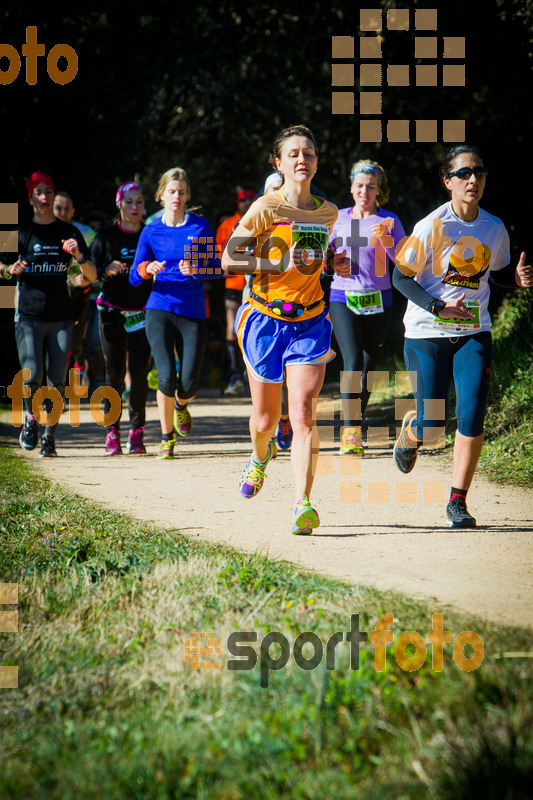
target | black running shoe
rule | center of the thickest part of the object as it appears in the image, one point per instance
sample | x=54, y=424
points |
x=458, y=516
x=48, y=447
x=404, y=453
x=28, y=434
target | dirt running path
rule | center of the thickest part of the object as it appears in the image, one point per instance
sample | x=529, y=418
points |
x=487, y=572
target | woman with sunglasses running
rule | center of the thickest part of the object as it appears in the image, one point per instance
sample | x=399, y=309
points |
x=447, y=323
x=121, y=317
x=284, y=326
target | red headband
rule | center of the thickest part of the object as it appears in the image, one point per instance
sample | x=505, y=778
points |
x=35, y=179
x=245, y=194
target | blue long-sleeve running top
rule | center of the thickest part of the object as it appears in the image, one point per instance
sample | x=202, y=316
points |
x=173, y=291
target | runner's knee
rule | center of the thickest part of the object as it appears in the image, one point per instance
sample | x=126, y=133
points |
x=301, y=413
x=471, y=429
x=264, y=421
x=187, y=393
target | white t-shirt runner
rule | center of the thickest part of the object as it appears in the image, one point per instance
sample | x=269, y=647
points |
x=474, y=249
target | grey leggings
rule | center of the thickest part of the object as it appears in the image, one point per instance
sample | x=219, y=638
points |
x=43, y=345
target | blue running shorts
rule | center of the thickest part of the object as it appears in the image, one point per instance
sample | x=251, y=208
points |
x=269, y=345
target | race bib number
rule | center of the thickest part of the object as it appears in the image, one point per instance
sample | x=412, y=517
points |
x=134, y=320
x=456, y=325
x=369, y=302
x=312, y=241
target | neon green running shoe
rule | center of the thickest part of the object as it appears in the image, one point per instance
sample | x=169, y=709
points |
x=152, y=379
x=351, y=441
x=253, y=475
x=305, y=517
x=182, y=421
x=166, y=448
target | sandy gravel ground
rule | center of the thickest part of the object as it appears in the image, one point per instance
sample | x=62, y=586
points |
x=368, y=534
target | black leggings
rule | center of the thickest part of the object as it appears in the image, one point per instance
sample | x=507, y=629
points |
x=117, y=344
x=360, y=338
x=44, y=344
x=166, y=331
x=80, y=304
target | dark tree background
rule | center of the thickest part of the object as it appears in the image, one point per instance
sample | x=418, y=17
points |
x=207, y=88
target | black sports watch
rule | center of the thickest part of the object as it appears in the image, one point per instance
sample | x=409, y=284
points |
x=436, y=306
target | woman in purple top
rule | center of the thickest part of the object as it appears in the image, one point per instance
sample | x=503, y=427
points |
x=361, y=305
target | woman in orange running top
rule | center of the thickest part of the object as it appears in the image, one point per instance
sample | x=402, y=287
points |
x=284, y=327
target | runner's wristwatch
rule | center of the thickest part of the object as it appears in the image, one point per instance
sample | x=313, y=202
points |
x=436, y=306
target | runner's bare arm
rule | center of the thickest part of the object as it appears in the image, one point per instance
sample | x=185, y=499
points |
x=87, y=267
x=8, y=270
x=236, y=260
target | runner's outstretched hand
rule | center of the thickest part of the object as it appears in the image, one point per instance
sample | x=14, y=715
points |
x=187, y=268
x=523, y=273
x=456, y=309
x=114, y=268
x=155, y=266
x=17, y=268
x=342, y=265
x=71, y=246
x=79, y=280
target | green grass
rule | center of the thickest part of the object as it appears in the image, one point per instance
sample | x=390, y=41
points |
x=508, y=452
x=107, y=707
x=507, y=455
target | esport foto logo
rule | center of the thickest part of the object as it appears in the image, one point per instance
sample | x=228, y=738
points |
x=204, y=651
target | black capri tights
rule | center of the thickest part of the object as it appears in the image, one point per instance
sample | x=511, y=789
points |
x=466, y=360
x=119, y=346
x=188, y=335
x=360, y=338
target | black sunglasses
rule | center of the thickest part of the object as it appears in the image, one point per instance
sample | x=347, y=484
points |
x=465, y=172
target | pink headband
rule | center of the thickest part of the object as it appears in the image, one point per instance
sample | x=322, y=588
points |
x=126, y=187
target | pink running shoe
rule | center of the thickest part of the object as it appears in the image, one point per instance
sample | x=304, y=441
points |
x=112, y=442
x=135, y=444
